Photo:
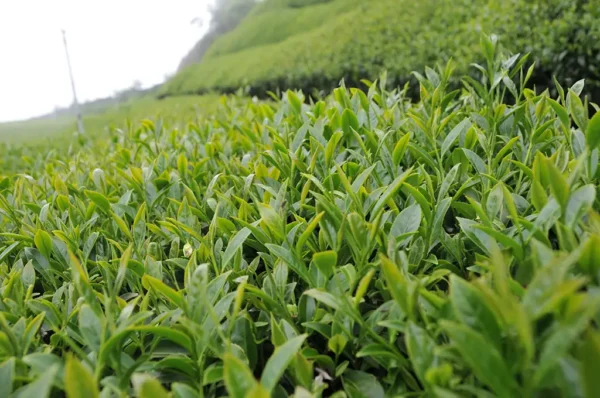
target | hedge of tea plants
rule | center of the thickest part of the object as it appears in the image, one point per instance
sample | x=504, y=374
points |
x=311, y=48
x=361, y=246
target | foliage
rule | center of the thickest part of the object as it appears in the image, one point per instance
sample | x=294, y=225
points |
x=312, y=47
x=363, y=245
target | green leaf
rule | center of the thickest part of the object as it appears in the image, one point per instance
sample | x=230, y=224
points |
x=238, y=377
x=332, y=145
x=294, y=101
x=122, y=225
x=484, y=360
x=408, y=221
x=291, y=260
x=151, y=388
x=337, y=343
x=90, y=327
x=577, y=110
x=589, y=355
x=487, y=45
x=580, y=203
x=157, y=285
x=326, y=298
x=420, y=199
x=8, y=249
x=234, y=245
x=279, y=361
x=400, y=149
x=31, y=331
x=476, y=161
x=459, y=129
x=148, y=387
x=307, y=233
x=438, y=218
x=592, y=136
x=349, y=122
x=475, y=234
x=472, y=308
x=494, y=201
x=502, y=238
x=43, y=242
x=99, y=200
x=502, y=152
x=7, y=374
x=28, y=274
x=589, y=259
x=396, y=282
x=559, y=342
x=79, y=382
x=421, y=349
x=558, y=185
x=173, y=335
x=362, y=383
x=389, y=192
x=243, y=336
x=271, y=218
x=326, y=262
x=447, y=183
x=181, y=390
x=213, y=374
x=39, y=388
x=538, y=195
x=139, y=224
x=538, y=298
x=561, y=112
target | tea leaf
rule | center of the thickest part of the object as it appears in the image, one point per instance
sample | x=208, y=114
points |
x=279, y=361
x=485, y=361
x=78, y=380
x=238, y=378
x=592, y=136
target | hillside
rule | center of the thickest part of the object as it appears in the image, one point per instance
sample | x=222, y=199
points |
x=274, y=21
x=283, y=43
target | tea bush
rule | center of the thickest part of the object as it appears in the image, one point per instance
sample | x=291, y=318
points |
x=361, y=246
x=311, y=48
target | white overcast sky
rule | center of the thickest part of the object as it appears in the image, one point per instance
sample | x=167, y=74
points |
x=112, y=43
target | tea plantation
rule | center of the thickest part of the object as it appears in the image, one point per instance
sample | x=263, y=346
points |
x=309, y=45
x=359, y=245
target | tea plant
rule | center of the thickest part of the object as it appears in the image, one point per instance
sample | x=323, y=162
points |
x=362, y=245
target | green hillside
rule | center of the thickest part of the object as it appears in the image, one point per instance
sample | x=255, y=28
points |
x=276, y=20
x=281, y=45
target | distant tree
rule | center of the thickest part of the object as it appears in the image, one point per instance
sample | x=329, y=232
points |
x=224, y=16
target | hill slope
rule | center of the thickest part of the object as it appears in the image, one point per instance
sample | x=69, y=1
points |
x=281, y=46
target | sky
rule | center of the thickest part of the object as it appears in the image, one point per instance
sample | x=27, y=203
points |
x=112, y=43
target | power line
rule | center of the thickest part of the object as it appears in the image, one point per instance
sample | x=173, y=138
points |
x=75, y=102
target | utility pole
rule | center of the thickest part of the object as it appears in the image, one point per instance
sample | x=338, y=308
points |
x=75, y=102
